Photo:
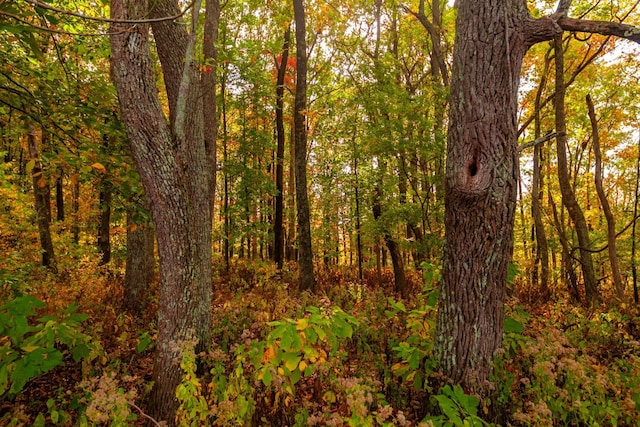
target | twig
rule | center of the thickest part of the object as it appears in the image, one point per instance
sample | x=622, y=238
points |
x=149, y=417
x=43, y=5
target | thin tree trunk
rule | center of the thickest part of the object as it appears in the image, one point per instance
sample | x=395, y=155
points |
x=290, y=250
x=42, y=196
x=634, y=265
x=305, y=259
x=59, y=197
x=537, y=183
x=611, y=221
x=278, y=231
x=568, y=196
x=139, y=271
x=104, y=221
x=75, y=206
x=400, y=281
x=209, y=82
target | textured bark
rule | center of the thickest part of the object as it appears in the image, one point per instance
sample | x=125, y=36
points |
x=176, y=176
x=42, y=196
x=278, y=231
x=480, y=187
x=140, y=266
x=611, y=221
x=568, y=197
x=305, y=256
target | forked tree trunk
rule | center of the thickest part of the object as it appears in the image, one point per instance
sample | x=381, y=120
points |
x=568, y=197
x=307, y=280
x=174, y=168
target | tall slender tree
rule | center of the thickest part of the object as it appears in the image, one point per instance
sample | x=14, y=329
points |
x=305, y=254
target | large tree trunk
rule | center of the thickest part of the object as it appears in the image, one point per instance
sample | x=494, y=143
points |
x=278, y=230
x=305, y=258
x=176, y=175
x=492, y=37
x=568, y=197
x=42, y=196
x=480, y=188
x=611, y=221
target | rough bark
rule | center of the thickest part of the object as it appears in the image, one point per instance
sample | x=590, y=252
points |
x=140, y=265
x=611, y=221
x=42, y=198
x=305, y=255
x=568, y=197
x=278, y=231
x=175, y=174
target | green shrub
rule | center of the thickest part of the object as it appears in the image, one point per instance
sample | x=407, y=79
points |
x=29, y=348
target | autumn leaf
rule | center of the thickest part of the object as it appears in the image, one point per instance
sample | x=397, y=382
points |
x=99, y=167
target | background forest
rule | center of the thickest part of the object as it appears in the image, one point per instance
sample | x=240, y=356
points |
x=341, y=107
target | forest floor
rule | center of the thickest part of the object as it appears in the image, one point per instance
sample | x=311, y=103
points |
x=352, y=354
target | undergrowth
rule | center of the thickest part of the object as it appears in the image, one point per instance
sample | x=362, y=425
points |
x=352, y=355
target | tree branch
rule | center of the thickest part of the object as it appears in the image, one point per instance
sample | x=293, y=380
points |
x=38, y=3
x=605, y=28
x=547, y=137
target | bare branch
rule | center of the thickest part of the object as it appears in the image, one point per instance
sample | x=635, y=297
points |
x=38, y=3
x=535, y=142
x=605, y=28
x=53, y=30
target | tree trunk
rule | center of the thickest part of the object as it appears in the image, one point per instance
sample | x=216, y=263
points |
x=75, y=206
x=278, y=231
x=59, y=198
x=611, y=221
x=480, y=187
x=399, y=279
x=104, y=221
x=568, y=196
x=537, y=183
x=42, y=196
x=305, y=258
x=140, y=266
x=176, y=175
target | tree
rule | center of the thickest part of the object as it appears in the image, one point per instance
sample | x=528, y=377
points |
x=278, y=230
x=305, y=254
x=175, y=167
x=42, y=196
x=492, y=38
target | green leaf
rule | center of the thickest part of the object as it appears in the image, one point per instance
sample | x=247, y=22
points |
x=4, y=378
x=267, y=377
x=512, y=325
x=291, y=360
x=40, y=421
x=80, y=352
